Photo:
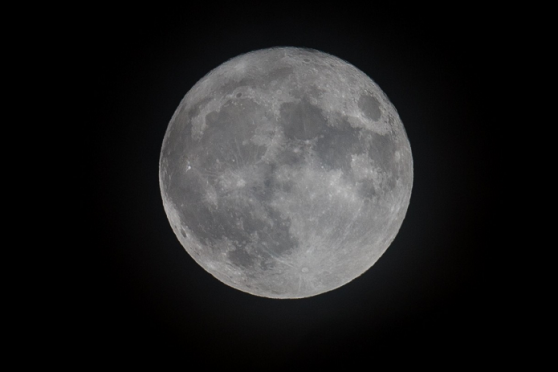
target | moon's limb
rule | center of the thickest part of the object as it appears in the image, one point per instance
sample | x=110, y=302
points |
x=286, y=172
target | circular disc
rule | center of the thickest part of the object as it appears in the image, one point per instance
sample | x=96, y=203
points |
x=286, y=172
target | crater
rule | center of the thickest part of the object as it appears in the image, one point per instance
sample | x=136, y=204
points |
x=370, y=107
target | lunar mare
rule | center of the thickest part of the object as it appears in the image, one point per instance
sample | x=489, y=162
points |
x=286, y=172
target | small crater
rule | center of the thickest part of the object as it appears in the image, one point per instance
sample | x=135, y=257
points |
x=306, y=60
x=238, y=95
x=304, y=270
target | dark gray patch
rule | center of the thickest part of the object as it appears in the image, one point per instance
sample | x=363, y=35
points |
x=370, y=107
x=238, y=95
x=196, y=108
x=263, y=191
x=301, y=120
x=366, y=189
x=276, y=239
x=241, y=258
x=238, y=219
x=290, y=158
x=225, y=145
x=272, y=240
x=382, y=150
x=226, y=139
x=336, y=145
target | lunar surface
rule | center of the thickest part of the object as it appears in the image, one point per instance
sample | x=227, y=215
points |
x=286, y=172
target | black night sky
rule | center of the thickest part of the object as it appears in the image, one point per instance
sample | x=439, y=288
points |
x=430, y=294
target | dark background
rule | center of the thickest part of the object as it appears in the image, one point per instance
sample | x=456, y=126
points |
x=431, y=295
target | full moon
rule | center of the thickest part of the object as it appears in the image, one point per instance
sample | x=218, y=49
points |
x=286, y=172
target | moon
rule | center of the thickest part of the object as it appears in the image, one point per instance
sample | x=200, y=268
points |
x=286, y=172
